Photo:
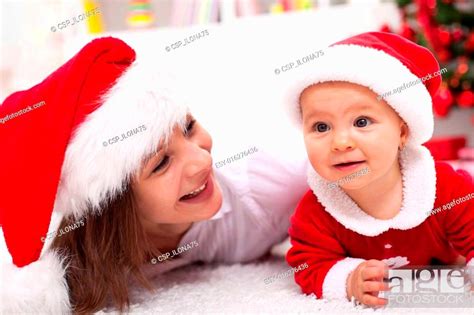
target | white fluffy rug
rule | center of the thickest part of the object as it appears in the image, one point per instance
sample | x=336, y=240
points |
x=240, y=289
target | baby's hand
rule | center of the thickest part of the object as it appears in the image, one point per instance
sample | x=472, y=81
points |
x=366, y=281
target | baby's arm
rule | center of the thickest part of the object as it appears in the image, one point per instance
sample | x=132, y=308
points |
x=330, y=273
x=457, y=220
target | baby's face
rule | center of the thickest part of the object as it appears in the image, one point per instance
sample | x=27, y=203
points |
x=346, y=129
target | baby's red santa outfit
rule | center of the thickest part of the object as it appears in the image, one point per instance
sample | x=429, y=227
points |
x=329, y=231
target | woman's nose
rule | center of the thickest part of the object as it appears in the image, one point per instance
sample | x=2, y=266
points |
x=197, y=160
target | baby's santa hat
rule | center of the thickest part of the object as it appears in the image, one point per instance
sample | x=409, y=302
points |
x=381, y=62
x=63, y=154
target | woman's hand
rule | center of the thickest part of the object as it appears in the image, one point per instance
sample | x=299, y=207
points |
x=366, y=281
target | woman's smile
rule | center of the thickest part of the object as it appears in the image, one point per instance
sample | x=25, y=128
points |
x=203, y=193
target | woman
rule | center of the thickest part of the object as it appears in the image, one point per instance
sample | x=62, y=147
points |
x=119, y=155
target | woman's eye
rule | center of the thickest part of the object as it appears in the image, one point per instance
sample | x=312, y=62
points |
x=162, y=164
x=189, y=127
x=321, y=127
x=362, y=122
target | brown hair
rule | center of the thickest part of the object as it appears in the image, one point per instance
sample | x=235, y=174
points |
x=103, y=254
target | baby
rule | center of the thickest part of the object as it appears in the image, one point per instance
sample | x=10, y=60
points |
x=373, y=184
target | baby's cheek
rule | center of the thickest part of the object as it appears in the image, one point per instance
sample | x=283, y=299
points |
x=388, y=138
x=318, y=151
x=316, y=157
x=323, y=167
x=386, y=156
x=379, y=167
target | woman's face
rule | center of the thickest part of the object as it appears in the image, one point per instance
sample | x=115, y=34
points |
x=177, y=185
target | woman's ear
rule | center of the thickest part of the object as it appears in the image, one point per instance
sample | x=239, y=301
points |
x=404, y=132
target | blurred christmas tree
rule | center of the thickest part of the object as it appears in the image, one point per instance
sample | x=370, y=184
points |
x=446, y=27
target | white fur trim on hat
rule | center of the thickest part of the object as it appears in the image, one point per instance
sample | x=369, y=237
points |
x=335, y=282
x=470, y=263
x=419, y=192
x=94, y=172
x=39, y=288
x=376, y=70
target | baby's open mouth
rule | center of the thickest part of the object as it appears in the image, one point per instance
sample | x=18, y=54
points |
x=348, y=163
x=348, y=166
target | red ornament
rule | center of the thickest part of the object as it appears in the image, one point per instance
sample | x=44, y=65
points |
x=443, y=101
x=465, y=99
x=444, y=36
x=385, y=28
x=457, y=34
x=454, y=82
x=462, y=66
x=469, y=43
x=444, y=55
x=407, y=32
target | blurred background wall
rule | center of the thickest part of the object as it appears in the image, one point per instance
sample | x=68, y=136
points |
x=248, y=39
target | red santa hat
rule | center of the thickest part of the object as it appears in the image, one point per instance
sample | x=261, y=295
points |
x=57, y=153
x=383, y=62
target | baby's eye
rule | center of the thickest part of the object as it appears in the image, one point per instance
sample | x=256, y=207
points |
x=362, y=122
x=321, y=127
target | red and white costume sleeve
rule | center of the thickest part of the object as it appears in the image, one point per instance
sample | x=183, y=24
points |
x=333, y=235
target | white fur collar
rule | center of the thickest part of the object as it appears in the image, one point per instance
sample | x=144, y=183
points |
x=419, y=192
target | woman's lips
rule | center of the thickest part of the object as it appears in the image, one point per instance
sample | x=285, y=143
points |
x=348, y=166
x=203, y=195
